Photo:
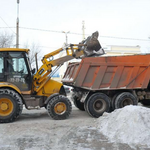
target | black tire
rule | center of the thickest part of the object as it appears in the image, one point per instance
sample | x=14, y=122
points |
x=86, y=106
x=113, y=101
x=124, y=99
x=53, y=104
x=97, y=104
x=10, y=105
x=145, y=102
x=77, y=103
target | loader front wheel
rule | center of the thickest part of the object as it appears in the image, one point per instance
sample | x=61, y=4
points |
x=59, y=107
x=10, y=105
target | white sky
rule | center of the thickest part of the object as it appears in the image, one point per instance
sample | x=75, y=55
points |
x=117, y=18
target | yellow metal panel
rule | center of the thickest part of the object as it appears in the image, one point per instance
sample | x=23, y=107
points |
x=50, y=88
x=14, y=49
x=26, y=92
x=53, y=53
x=9, y=85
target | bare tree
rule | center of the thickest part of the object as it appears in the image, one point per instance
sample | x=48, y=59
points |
x=6, y=40
x=34, y=49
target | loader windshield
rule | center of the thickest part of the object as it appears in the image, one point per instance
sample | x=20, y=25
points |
x=16, y=63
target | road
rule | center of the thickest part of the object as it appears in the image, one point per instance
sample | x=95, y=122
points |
x=35, y=130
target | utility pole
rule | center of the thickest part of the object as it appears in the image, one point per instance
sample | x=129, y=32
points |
x=83, y=30
x=17, y=26
x=66, y=34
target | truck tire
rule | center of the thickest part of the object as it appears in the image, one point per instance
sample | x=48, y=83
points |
x=97, y=104
x=78, y=104
x=113, y=101
x=145, y=102
x=10, y=105
x=124, y=99
x=85, y=102
x=59, y=107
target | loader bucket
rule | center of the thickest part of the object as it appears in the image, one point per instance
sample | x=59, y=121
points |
x=93, y=47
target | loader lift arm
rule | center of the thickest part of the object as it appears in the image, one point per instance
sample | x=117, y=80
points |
x=44, y=73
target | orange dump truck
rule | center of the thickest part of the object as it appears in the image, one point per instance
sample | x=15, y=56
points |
x=109, y=82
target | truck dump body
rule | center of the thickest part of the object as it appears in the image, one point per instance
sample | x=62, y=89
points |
x=109, y=72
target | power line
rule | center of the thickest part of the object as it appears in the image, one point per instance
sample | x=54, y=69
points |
x=41, y=46
x=113, y=37
x=7, y=25
x=41, y=30
x=8, y=36
x=122, y=38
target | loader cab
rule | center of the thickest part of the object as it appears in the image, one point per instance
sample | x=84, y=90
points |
x=15, y=68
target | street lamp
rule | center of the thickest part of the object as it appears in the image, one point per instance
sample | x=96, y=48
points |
x=66, y=36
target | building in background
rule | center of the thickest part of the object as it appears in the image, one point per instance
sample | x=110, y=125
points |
x=121, y=50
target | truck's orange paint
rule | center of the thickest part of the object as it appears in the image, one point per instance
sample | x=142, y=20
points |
x=109, y=73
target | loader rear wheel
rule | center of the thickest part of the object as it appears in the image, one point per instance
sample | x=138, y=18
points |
x=78, y=104
x=125, y=99
x=59, y=107
x=10, y=105
x=97, y=104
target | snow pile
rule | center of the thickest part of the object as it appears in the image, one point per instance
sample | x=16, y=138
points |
x=130, y=125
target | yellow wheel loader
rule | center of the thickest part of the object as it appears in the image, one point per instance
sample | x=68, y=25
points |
x=20, y=86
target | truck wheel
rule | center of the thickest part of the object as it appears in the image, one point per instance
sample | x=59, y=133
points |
x=145, y=102
x=59, y=107
x=78, y=104
x=85, y=102
x=97, y=104
x=113, y=101
x=125, y=99
x=10, y=105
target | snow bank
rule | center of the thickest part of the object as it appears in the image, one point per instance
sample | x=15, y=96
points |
x=130, y=125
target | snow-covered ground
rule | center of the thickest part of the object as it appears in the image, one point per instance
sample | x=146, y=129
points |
x=129, y=125
x=123, y=129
